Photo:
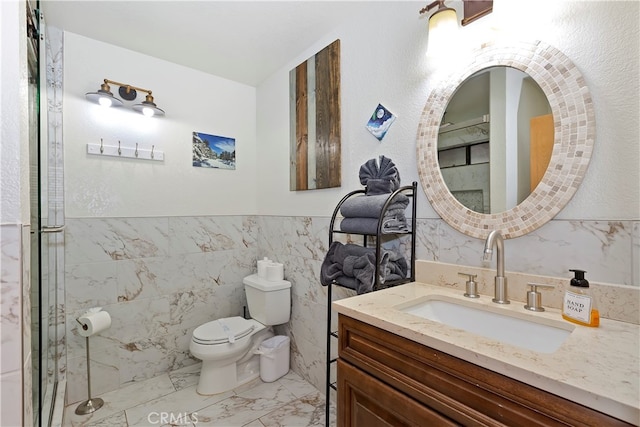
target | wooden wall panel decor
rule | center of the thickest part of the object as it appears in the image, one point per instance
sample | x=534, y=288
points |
x=476, y=9
x=314, y=88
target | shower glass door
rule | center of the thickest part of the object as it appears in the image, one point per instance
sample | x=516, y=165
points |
x=34, y=130
x=45, y=239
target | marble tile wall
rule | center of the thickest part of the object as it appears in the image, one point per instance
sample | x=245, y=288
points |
x=300, y=244
x=10, y=324
x=15, y=326
x=609, y=251
x=159, y=278
x=27, y=362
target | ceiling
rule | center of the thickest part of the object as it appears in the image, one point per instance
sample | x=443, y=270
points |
x=244, y=41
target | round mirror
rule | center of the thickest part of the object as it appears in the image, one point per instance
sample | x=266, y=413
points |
x=495, y=139
x=573, y=136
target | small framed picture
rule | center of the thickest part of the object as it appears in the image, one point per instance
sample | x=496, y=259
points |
x=213, y=151
x=380, y=122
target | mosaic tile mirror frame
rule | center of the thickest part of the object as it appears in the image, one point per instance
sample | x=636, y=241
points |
x=574, y=135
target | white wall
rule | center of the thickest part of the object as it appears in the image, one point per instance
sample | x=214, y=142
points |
x=193, y=101
x=14, y=116
x=383, y=60
x=15, y=335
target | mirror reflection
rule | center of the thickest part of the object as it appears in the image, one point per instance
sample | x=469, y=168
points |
x=495, y=139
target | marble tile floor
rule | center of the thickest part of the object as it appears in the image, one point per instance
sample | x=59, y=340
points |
x=171, y=400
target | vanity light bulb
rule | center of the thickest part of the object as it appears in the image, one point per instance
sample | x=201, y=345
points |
x=104, y=102
x=443, y=33
x=148, y=112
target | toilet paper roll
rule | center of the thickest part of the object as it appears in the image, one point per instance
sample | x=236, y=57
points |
x=275, y=271
x=93, y=323
x=262, y=267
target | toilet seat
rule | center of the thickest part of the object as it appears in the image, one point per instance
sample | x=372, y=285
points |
x=223, y=331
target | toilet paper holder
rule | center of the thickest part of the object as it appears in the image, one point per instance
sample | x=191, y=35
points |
x=84, y=325
x=91, y=404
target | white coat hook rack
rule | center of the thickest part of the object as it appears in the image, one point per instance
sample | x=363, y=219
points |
x=121, y=150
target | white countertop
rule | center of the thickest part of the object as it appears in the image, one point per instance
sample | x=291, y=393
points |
x=596, y=367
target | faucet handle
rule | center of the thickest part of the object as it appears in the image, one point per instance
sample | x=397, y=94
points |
x=471, y=285
x=534, y=298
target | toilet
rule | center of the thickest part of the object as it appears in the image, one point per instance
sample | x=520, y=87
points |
x=226, y=346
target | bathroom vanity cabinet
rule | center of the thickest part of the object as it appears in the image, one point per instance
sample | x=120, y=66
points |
x=388, y=380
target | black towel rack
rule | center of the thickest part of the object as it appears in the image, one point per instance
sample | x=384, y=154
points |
x=409, y=191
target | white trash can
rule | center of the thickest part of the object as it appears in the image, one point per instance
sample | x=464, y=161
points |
x=274, y=358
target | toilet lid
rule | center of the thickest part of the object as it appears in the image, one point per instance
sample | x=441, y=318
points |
x=223, y=331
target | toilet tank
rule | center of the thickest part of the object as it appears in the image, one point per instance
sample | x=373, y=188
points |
x=269, y=301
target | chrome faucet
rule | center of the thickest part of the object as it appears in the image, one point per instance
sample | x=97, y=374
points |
x=495, y=239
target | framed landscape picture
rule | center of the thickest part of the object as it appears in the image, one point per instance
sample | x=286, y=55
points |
x=213, y=151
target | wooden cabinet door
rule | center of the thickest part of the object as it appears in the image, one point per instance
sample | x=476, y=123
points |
x=364, y=401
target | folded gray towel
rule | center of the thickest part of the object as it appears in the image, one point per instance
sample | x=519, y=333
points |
x=371, y=206
x=370, y=225
x=395, y=213
x=385, y=171
x=395, y=224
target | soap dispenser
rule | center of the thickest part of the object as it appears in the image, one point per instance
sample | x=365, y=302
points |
x=579, y=306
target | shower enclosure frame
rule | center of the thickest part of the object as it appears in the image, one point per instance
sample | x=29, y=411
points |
x=47, y=219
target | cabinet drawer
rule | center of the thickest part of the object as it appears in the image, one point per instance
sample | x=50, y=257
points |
x=457, y=390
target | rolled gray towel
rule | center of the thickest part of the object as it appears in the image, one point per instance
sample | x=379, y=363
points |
x=371, y=206
x=363, y=268
x=369, y=170
x=397, y=266
x=346, y=263
x=378, y=186
x=354, y=267
x=377, y=173
x=388, y=170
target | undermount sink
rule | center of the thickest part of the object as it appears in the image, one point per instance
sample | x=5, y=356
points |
x=541, y=335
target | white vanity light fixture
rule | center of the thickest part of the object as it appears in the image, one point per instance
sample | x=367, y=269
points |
x=105, y=98
x=443, y=25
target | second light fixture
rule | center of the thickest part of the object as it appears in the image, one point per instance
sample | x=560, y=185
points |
x=104, y=97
